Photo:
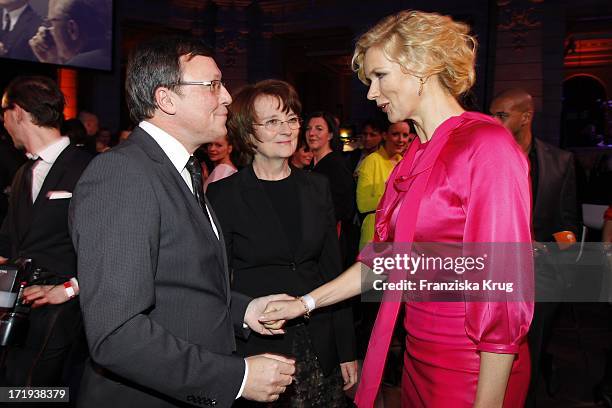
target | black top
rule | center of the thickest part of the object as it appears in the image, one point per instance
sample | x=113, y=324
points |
x=281, y=237
x=283, y=196
x=533, y=172
x=341, y=183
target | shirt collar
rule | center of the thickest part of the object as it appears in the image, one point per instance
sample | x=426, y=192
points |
x=175, y=151
x=15, y=14
x=50, y=153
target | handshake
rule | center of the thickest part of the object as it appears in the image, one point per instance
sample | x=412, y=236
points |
x=270, y=374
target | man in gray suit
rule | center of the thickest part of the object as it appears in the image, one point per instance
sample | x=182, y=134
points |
x=159, y=314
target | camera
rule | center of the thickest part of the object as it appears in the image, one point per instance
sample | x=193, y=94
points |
x=14, y=278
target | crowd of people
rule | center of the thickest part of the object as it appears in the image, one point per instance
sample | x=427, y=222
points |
x=208, y=257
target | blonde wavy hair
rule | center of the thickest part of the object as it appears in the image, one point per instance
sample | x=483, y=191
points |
x=424, y=44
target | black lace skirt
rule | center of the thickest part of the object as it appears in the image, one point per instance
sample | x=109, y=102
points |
x=310, y=387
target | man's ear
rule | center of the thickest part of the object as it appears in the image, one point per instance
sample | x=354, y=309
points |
x=19, y=114
x=73, y=30
x=526, y=117
x=164, y=99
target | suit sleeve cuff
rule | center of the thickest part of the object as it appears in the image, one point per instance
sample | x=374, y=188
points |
x=246, y=374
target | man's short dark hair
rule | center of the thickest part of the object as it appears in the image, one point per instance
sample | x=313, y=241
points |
x=156, y=63
x=40, y=97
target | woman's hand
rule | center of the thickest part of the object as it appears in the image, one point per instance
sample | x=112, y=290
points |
x=40, y=295
x=256, y=307
x=278, y=311
x=349, y=374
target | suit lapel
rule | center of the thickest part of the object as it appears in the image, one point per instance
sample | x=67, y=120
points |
x=54, y=176
x=21, y=203
x=541, y=153
x=27, y=211
x=171, y=175
x=221, y=242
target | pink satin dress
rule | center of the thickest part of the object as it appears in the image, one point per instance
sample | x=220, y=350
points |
x=469, y=183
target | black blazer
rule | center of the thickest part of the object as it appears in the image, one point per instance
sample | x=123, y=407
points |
x=159, y=316
x=263, y=264
x=41, y=231
x=555, y=208
x=16, y=41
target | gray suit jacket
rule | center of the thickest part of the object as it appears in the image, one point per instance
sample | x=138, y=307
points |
x=157, y=307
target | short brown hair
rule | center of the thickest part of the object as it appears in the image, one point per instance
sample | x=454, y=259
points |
x=242, y=111
x=424, y=44
x=157, y=63
x=40, y=97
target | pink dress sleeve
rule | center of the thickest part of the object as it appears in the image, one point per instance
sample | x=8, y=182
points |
x=497, y=203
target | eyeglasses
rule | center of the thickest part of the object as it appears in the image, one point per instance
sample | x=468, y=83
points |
x=215, y=85
x=4, y=109
x=274, y=125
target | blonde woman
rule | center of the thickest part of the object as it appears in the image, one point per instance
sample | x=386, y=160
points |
x=464, y=180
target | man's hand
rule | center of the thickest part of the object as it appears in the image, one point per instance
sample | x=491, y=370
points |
x=279, y=311
x=43, y=46
x=40, y=295
x=3, y=49
x=3, y=260
x=256, y=308
x=349, y=374
x=269, y=375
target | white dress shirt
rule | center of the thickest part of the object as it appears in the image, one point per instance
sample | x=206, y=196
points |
x=41, y=168
x=179, y=156
x=14, y=16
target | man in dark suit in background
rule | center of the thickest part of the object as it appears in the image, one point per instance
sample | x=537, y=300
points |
x=19, y=24
x=159, y=314
x=36, y=227
x=80, y=34
x=553, y=186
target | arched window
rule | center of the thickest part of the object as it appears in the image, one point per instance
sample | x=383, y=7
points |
x=584, y=111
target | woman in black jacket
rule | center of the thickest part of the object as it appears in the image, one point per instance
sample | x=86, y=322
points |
x=280, y=231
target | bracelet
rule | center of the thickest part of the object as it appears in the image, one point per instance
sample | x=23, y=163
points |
x=69, y=290
x=75, y=284
x=307, y=311
x=310, y=302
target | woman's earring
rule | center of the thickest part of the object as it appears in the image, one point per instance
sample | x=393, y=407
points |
x=422, y=81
